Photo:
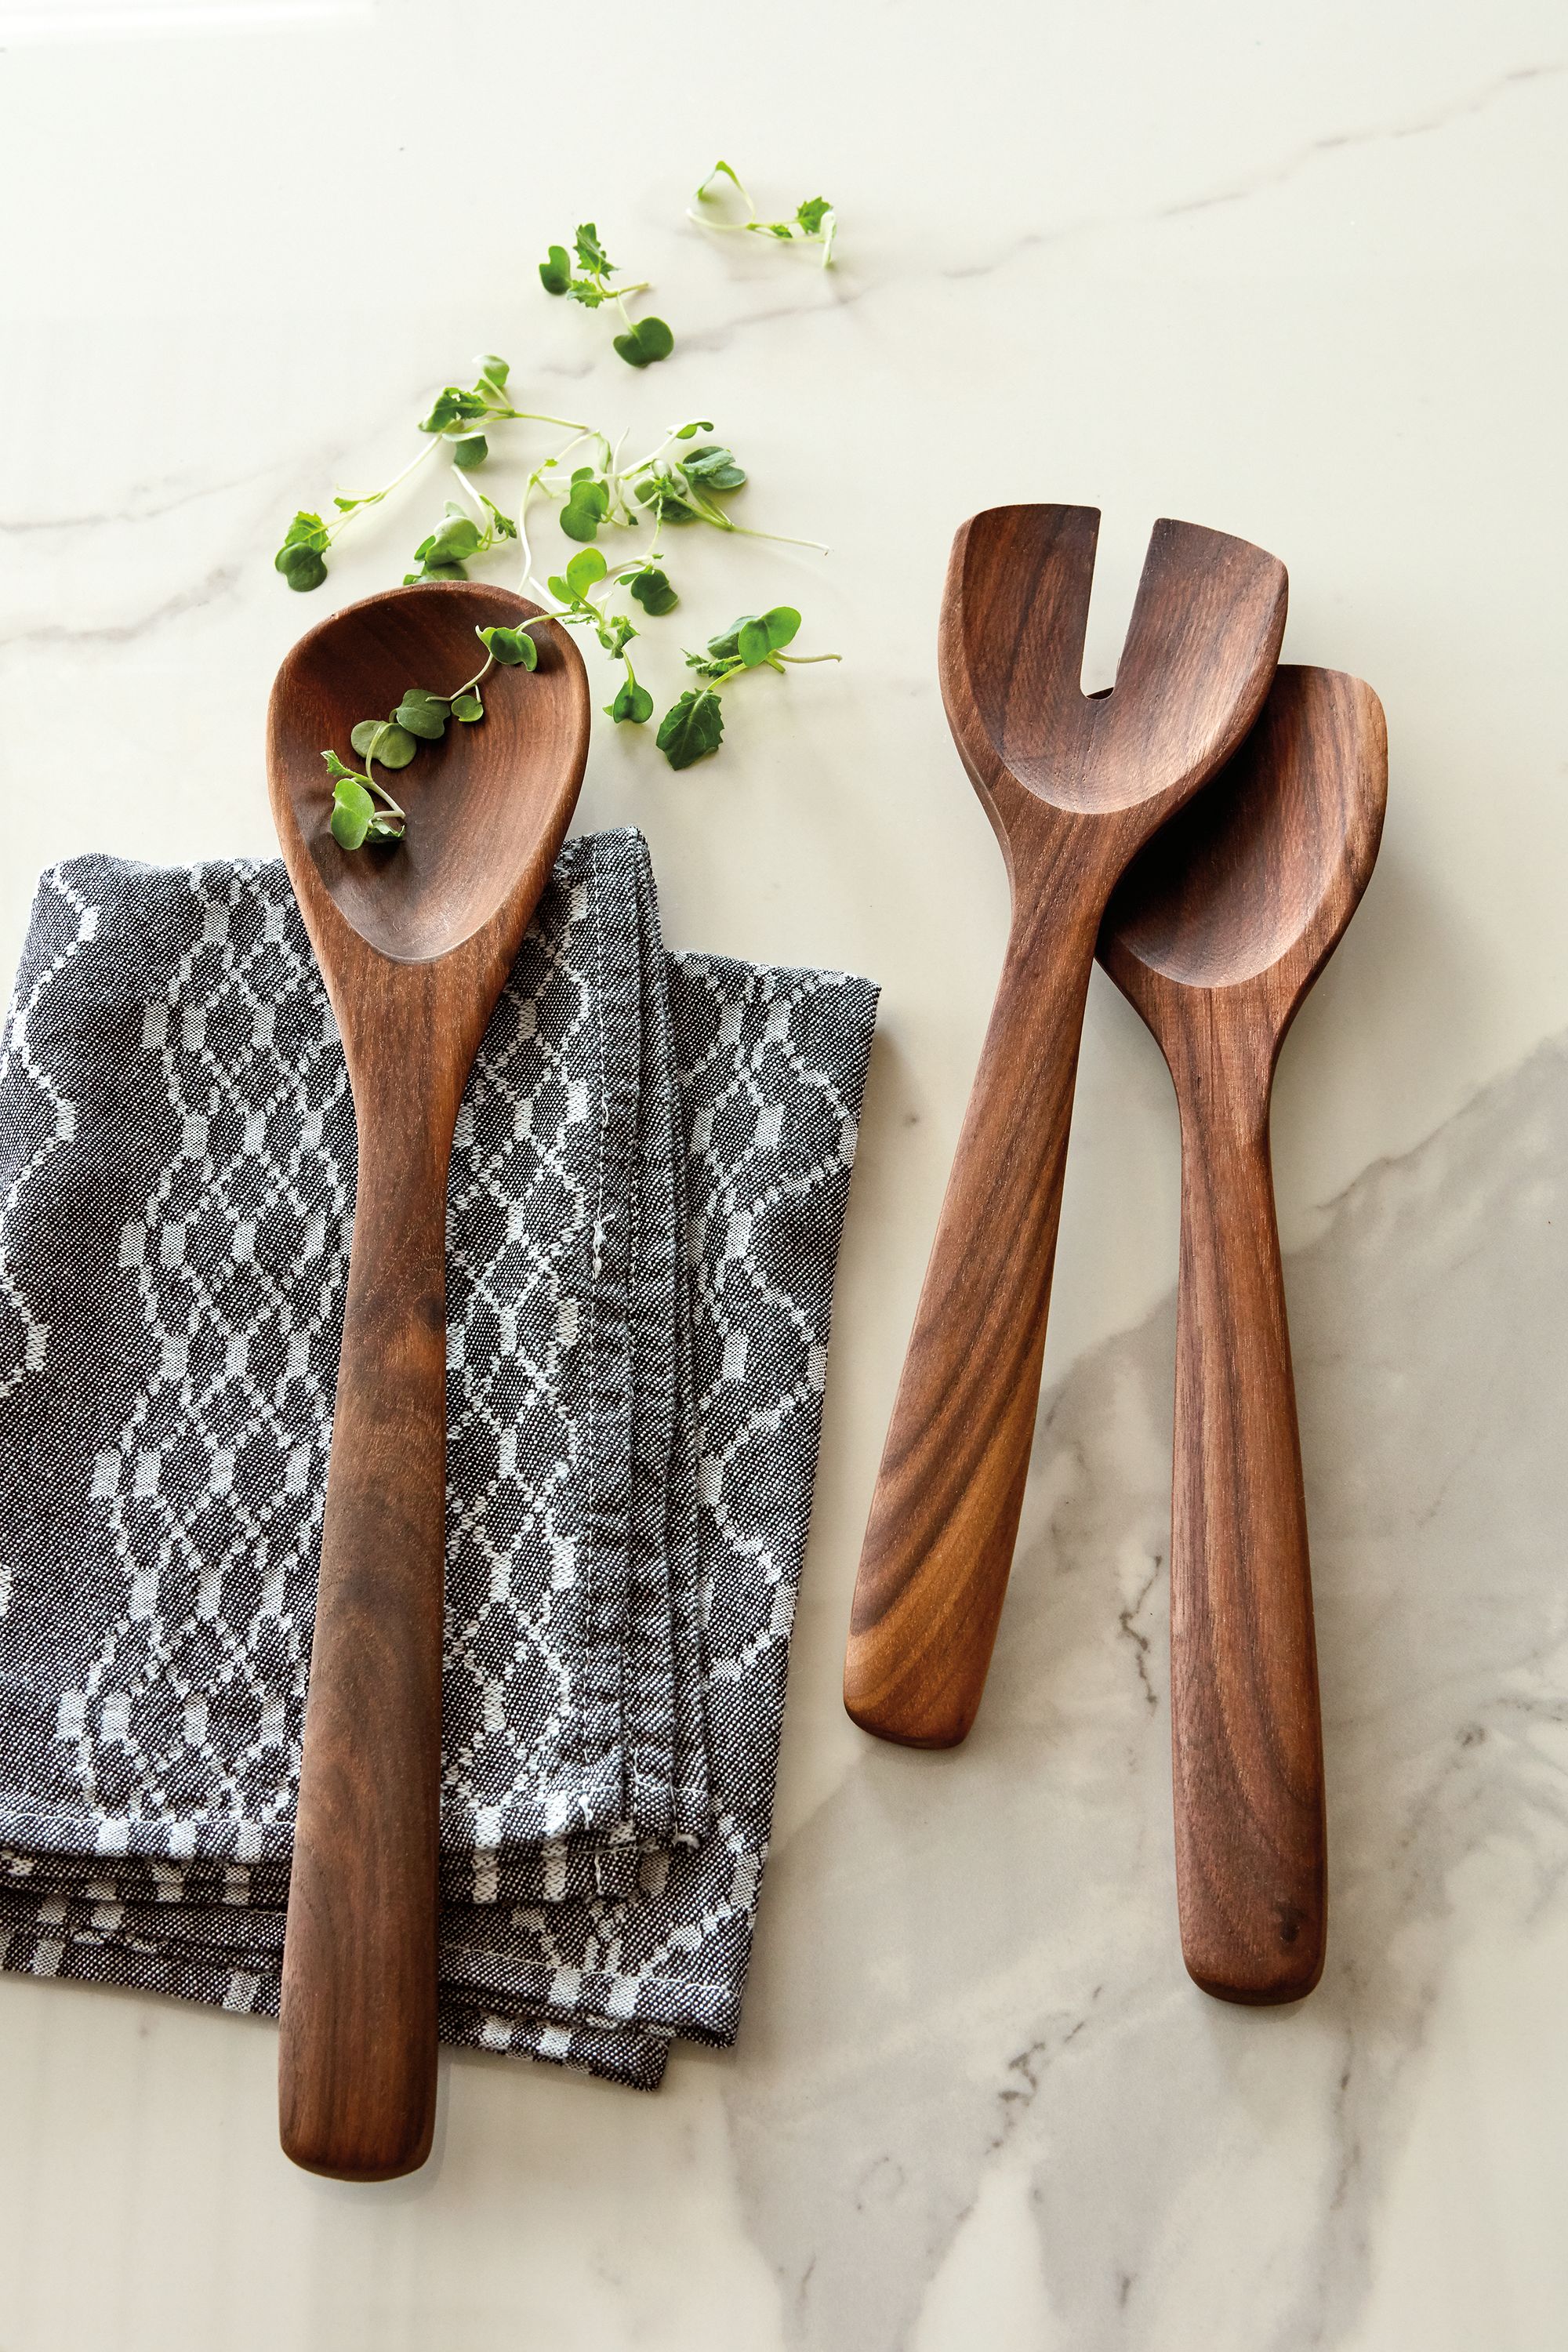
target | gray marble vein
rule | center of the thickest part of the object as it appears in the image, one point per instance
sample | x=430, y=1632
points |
x=969, y=1961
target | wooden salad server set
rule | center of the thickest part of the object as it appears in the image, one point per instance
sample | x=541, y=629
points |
x=415, y=943
x=1209, y=825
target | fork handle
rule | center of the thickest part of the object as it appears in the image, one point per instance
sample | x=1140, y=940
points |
x=1247, y=1741
x=356, y=2072
x=944, y=1515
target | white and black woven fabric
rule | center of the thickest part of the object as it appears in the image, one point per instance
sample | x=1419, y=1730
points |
x=647, y=1196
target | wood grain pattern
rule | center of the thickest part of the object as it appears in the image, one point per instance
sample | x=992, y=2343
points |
x=415, y=943
x=1073, y=786
x=1215, y=935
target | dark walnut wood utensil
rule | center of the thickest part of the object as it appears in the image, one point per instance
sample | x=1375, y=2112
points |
x=1073, y=786
x=1215, y=934
x=415, y=943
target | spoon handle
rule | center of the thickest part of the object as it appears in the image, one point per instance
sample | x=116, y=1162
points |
x=1247, y=1741
x=944, y=1516
x=357, y=2055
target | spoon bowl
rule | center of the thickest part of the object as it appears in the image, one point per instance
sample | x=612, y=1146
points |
x=496, y=782
x=415, y=939
x=1262, y=873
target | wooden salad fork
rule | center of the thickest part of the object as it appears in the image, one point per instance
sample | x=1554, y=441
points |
x=1074, y=785
x=1215, y=934
x=415, y=943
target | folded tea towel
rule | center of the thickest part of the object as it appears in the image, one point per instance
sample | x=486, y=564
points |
x=647, y=1195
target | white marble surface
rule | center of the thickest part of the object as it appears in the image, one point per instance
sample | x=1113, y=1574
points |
x=1296, y=274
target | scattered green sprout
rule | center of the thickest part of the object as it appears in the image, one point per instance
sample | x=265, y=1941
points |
x=814, y=221
x=641, y=341
x=694, y=724
x=683, y=479
x=451, y=425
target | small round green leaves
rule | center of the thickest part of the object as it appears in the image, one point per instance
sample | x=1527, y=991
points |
x=468, y=707
x=454, y=539
x=422, y=713
x=651, y=589
x=587, y=505
x=469, y=451
x=714, y=467
x=692, y=727
x=584, y=570
x=645, y=340
x=555, y=270
x=515, y=648
x=361, y=811
x=353, y=809
x=380, y=738
x=301, y=557
x=452, y=406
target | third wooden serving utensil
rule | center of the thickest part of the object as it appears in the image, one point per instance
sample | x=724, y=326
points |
x=414, y=944
x=1073, y=786
x=1215, y=935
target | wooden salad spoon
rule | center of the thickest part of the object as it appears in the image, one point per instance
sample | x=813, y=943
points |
x=1216, y=933
x=1073, y=786
x=415, y=941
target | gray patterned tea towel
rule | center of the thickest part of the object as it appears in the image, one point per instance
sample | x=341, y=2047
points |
x=648, y=1190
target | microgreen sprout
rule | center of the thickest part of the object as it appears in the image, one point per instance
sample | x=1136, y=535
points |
x=694, y=724
x=641, y=341
x=814, y=221
x=362, y=808
x=451, y=425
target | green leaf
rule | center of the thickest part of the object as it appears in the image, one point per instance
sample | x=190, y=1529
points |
x=468, y=707
x=699, y=424
x=513, y=648
x=812, y=214
x=493, y=370
x=422, y=714
x=300, y=559
x=454, y=539
x=579, y=522
x=703, y=196
x=470, y=451
x=450, y=405
x=782, y=622
x=615, y=635
x=661, y=492
x=582, y=570
x=302, y=566
x=555, y=274
x=632, y=704
x=383, y=740
x=652, y=591
x=557, y=586
x=353, y=809
x=648, y=340
x=307, y=531
x=692, y=727
x=591, y=254
x=336, y=770
x=726, y=646
x=435, y=572
x=584, y=290
x=751, y=643
x=503, y=525
x=714, y=467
